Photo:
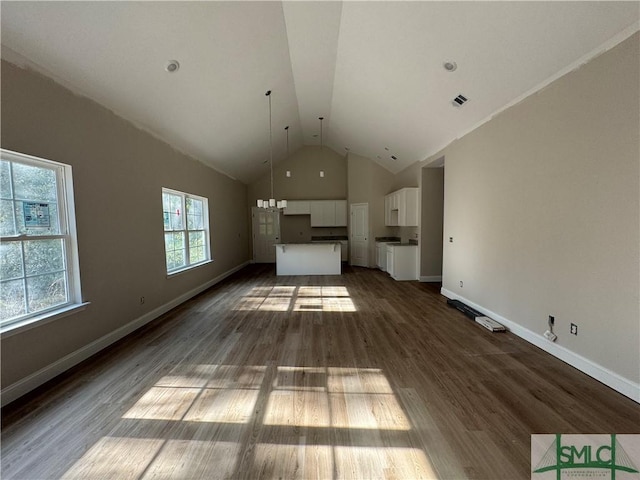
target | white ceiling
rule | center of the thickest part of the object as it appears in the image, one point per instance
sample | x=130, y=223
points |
x=373, y=70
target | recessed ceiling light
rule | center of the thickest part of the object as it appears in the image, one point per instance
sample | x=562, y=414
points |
x=172, y=66
x=450, y=66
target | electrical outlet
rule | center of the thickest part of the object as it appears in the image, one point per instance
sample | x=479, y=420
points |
x=450, y=239
x=141, y=300
x=552, y=320
x=574, y=329
x=461, y=284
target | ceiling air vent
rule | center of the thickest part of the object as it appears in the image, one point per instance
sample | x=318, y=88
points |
x=459, y=100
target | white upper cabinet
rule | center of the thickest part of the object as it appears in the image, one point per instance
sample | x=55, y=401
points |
x=297, y=207
x=341, y=213
x=324, y=213
x=401, y=208
x=328, y=213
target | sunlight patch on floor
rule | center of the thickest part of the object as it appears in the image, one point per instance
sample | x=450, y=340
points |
x=330, y=291
x=382, y=462
x=194, y=459
x=357, y=380
x=297, y=299
x=223, y=406
x=162, y=403
x=104, y=459
x=202, y=393
x=298, y=408
x=273, y=460
x=324, y=304
x=194, y=376
x=321, y=422
x=279, y=460
x=356, y=398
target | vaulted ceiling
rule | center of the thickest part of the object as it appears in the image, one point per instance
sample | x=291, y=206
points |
x=373, y=70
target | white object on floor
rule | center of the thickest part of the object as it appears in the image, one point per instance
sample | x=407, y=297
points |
x=490, y=324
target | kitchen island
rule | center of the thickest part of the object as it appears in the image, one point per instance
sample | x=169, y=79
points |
x=308, y=259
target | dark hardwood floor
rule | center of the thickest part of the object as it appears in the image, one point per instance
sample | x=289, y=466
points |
x=352, y=376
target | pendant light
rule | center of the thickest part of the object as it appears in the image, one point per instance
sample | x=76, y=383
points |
x=321, y=119
x=286, y=129
x=271, y=203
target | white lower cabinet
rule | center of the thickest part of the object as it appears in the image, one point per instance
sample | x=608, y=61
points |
x=381, y=255
x=402, y=261
x=390, y=260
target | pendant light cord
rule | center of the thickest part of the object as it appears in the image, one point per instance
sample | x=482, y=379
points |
x=287, y=130
x=268, y=94
x=321, y=119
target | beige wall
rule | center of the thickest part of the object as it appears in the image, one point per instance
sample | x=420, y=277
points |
x=543, y=204
x=369, y=183
x=118, y=173
x=305, y=182
x=431, y=222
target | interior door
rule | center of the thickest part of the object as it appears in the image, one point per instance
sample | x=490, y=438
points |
x=359, y=234
x=266, y=233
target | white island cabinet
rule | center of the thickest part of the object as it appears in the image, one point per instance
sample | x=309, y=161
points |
x=308, y=259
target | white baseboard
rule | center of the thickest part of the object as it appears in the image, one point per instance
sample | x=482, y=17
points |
x=620, y=384
x=25, y=385
x=432, y=278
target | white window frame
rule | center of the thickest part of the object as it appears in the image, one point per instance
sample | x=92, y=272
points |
x=206, y=229
x=68, y=233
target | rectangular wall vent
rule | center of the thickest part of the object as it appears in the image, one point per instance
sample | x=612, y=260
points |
x=459, y=100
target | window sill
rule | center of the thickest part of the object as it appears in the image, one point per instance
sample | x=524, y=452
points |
x=33, y=322
x=189, y=268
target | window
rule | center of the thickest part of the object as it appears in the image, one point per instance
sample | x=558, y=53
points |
x=39, y=274
x=186, y=230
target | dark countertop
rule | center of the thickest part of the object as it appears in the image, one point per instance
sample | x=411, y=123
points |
x=331, y=238
x=388, y=239
x=336, y=242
